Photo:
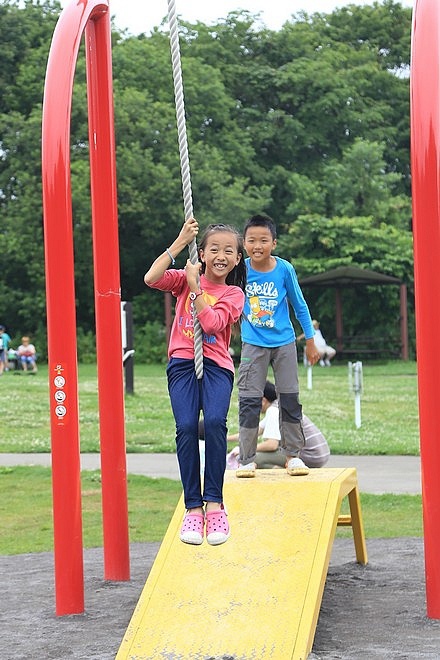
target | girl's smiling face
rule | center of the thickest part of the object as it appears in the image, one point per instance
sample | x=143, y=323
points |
x=220, y=255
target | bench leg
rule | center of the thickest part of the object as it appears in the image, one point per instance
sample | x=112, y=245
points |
x=357, y=526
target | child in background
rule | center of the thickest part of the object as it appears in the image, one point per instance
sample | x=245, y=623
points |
x=326, y=352
x=4, y=346
x=268, y=338
x=218, y=303
x=27, y=354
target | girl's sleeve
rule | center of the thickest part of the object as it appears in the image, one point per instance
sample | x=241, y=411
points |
x=226, y=311
x=172, y=280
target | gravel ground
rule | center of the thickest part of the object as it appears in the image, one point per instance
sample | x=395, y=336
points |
x=368, y=612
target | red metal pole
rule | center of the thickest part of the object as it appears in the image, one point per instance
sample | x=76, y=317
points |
x=107, y=298
x=425, y=153
x=61, y=316
x=60, y=294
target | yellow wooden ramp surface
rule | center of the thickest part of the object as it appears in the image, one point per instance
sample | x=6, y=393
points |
x=258, y=595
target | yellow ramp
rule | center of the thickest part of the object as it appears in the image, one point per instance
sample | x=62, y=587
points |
x=257, y=596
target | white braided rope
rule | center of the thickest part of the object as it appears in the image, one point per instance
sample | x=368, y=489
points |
x=184, y=165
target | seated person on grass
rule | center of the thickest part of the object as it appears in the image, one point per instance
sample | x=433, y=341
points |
x=315, y=452
x=27, y=354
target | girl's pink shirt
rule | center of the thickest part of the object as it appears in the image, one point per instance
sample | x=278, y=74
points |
x=226, y=304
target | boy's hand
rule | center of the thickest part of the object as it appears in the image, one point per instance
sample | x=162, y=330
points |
x=312, y=353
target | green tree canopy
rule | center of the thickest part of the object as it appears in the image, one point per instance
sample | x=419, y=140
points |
x=309, y=123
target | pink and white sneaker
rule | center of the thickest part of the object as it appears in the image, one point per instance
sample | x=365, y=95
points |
x=192, y=528
x=217, y=526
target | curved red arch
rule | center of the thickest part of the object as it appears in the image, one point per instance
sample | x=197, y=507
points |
x=425, y=168
x=91, y=17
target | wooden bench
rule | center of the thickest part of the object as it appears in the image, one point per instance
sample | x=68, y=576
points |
x=362, y=346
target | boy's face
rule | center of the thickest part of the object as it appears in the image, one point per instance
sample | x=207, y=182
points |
x=258, y=243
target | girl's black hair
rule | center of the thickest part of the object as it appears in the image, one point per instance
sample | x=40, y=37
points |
x=237, y=276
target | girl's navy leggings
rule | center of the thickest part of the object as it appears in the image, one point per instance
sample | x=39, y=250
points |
x=189, y=395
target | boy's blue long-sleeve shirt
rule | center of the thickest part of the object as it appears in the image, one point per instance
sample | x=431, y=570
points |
x=266, y=310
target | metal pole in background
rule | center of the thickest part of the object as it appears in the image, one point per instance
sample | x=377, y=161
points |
x=355, y=385
x=309, y=377
x=127, y=345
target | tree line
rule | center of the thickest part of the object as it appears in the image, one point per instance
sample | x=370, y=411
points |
x=309, y=124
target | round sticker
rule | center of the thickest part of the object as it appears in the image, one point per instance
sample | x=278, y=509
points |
x=60, y=396
x=59, y=381
x=60, y=411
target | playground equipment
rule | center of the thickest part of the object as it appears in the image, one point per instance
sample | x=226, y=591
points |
x=92, y=18
x=258, y=595
x=184, y=165
x=425, y=168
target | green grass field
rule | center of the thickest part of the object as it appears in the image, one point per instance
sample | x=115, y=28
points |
x=389, y=426
x=389, y=410
x=26, y=510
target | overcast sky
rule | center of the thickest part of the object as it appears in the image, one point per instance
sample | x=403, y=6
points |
x=143, y=15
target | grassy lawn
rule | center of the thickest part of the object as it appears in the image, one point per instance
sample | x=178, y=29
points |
x=389, y=410
x=26, y=510
x=389, y=414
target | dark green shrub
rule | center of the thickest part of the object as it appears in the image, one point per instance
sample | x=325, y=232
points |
x=150, y=343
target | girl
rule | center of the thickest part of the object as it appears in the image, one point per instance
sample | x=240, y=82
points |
x=218, y=303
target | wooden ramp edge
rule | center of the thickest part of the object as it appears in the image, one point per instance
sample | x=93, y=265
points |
x=258, y=595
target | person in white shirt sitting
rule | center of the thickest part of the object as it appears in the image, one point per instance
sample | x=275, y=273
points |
x=315, y=452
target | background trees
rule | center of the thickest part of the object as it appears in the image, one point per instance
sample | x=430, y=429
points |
x=309, y=124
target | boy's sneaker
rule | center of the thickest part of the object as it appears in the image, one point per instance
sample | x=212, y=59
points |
x=296, y=467
x=247, y=470
x=192, y=528
x=321, y=363
x=327, y=363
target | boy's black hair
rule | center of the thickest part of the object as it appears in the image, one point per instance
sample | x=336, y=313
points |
x=261, y=221
x=237, y=276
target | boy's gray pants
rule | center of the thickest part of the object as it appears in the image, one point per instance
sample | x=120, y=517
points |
x=252, y=376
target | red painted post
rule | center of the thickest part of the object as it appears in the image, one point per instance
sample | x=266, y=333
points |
x=61, y=316
x=425, y=166
x=60, y=294
x=107, y=299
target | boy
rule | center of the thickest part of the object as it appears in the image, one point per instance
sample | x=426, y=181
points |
x=269, y=339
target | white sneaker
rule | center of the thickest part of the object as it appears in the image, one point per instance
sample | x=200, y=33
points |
x=321, y=363
x=296, y=467
x=247, y=470
x=327, y=363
